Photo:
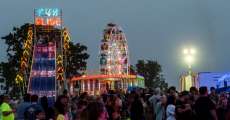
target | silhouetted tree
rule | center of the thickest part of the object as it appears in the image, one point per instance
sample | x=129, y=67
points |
x=76, y=59
x=14, y=41
x=151, y=71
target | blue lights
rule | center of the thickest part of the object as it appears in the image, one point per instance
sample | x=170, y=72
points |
x=47, y=12
x=214, y=79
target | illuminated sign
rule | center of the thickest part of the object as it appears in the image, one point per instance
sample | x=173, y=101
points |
x=49, y=12
x=48, y=17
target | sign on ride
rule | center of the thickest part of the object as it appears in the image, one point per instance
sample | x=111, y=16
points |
x=47, y=17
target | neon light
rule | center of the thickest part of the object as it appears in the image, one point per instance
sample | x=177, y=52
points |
x=55, y=21
x=48, y=12
x=48, y=16
x=91, y=77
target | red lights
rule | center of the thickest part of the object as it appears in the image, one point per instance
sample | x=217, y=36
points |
x=91, y=77
x=53, y=21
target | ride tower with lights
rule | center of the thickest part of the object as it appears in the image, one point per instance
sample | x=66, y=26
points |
x=114, y=55
x=42, y=69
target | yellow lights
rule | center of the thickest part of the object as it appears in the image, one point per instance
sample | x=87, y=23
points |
x=18, y=79
x=189, y=59
x=24, y=59
x=25, y=53
x=60, y=69
x=185, y=51
x=66, y=39
x=59, y=60
x=60, y=76
x=191, y=51
x=189, y=56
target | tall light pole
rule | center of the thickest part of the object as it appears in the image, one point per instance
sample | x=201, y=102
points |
x=189, y=58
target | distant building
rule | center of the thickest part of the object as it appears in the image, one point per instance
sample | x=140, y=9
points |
x=188, y=80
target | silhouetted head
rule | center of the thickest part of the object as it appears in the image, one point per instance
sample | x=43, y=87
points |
x=193, y=90
x=203, y=90
x=212, y=90
x=34, y=98
x=44, y=101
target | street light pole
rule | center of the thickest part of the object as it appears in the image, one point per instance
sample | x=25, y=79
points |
x=189, y=57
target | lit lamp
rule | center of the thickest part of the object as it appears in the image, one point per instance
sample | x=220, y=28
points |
x=189, y=56
x=188, y=80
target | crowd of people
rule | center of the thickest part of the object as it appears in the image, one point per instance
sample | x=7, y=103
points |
x=138, y=104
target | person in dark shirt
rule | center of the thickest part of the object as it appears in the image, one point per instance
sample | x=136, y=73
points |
x=137, y=109
x=213, y=96
x=30, y=111
x=204, y=107
x=183, y=108
x=222, y=107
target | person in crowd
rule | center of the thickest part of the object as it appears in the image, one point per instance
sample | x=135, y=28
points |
x=170, y=110
x=228, y=106
x=1, y=101
x=183, y=107
x=137, y=109
x=205, y=109
x=81, y=106
x=172, y=91
x=7, y=111
x=193, y=94
x=116, y=115
x=154, y=99
x=49, y=112
x=40, y=115
x=222, y=107
x=160, y=108
x=29, y=113
x=94, y=111
x=61, y=108
x=22, y=107
x=213, y=96
x=110, y=105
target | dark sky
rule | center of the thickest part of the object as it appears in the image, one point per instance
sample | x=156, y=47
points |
x=155, y=29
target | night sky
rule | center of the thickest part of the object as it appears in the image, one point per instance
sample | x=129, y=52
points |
x=155, y=29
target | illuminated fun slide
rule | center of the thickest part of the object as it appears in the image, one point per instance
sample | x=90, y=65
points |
x=42, y=76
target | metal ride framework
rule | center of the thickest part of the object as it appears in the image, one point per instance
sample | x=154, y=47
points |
x=114, y=66
x=114, y=56
x=42, y=65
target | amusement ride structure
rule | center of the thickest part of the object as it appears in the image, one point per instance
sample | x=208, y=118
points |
x=42, y=68
x=114, y=57
x=114, y=65
x=43, y=60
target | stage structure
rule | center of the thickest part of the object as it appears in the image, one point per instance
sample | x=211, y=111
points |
x=43, y=60
x=218, y=80
x=114, y=65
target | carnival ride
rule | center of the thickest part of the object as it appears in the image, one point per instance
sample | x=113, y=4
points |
x=42, y=66
x=114, y=57
x=42, y=63
x=114, y=65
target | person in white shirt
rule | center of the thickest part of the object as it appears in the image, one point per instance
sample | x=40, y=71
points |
x=170, y=110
